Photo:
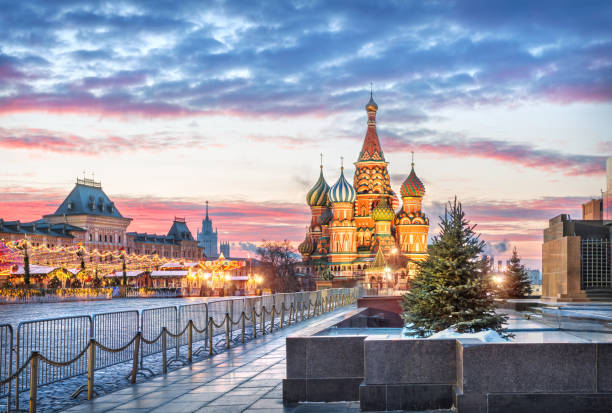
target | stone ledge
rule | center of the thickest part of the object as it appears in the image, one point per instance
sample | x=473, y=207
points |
x=549, y=402
x=321, y=390
x=405, y=397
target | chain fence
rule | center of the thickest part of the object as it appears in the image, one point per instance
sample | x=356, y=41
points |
x=52, y=350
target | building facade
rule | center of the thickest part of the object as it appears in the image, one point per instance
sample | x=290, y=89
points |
x=351, y=223
x=88, y=216
x=576, y=260
x=593, y=210
x=224, y=247
x=207, y=238
x=178, y=243
x=89, y=208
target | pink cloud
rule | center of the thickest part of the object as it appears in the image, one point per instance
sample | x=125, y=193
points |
x=517, y=154
x=85, y=103
x=45, y=140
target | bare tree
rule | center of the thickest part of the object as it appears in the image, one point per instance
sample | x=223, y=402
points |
x=278, y=261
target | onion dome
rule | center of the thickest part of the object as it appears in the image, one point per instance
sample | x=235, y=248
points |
x=383, y=212
x=306, y=247
x=325, y=217
x=394, y=201
x=342, y=191
x=412, y=186
x=371, y=105
x=317, y=196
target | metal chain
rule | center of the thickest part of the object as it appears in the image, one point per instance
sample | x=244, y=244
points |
x=64, y=363
x=179, y=334
x=115, y=350
x=19, y=370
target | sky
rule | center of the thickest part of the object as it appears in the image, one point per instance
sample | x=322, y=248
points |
x=506, y=105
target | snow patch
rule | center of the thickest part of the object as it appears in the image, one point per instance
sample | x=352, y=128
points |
x=486, y=336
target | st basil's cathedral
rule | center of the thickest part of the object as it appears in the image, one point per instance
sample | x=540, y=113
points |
x=352, y=225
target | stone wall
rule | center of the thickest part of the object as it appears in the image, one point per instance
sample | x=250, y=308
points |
x=559, y=377
x=421, y=374
x=405, y=374
x=325, y=368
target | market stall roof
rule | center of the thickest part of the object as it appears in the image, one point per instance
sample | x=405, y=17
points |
x=178, y=265
x=128, y=274
x=175, y=273
x=34, y=270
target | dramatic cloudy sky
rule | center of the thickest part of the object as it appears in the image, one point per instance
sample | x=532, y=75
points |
x=174, y=103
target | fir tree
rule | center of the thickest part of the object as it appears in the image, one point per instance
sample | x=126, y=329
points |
x=516, y=282
x=451, y=287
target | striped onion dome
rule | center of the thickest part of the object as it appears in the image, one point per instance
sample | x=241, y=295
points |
x=383, y=212
x=342, y=191
x=317, y=196
x=325, y=217
x=394, y=200
x=412, y=186
x=306, y=247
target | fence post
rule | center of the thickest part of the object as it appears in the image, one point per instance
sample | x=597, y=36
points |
x=309, y=303
x=243, y=315
x=254, y=320
x=33, y=381
x=210, y=336
x=190, y=341
x=91, y=359
x=227, y=330
x=164, y=348
x=263, y=320
x=136, y=354
x=282, y=314
x=273, y=313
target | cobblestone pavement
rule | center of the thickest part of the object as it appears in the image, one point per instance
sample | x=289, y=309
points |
x=246, y=378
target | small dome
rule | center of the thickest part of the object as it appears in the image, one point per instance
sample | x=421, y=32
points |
x=394, y=200
x=342, y=191
x=317, y=196
x=413, y=186
x=371, y=105
x=306, y=247
x=383, y=212
x=325, y=217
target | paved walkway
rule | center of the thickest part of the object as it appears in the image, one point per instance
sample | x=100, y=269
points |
x=246, y=378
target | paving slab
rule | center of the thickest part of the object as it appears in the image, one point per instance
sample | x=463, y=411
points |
x=245, y=378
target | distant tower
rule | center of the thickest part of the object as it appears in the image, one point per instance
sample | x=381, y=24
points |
x=207, y=238
x=225, y=249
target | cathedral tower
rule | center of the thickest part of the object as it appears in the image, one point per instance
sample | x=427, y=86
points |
x=411, y=223
x=371, y=179
x=342, y=233
x=317, y=199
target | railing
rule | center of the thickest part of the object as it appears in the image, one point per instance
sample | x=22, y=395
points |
x=369, y=292
x=142, y=292
x=32, y=296
x=48, y=351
